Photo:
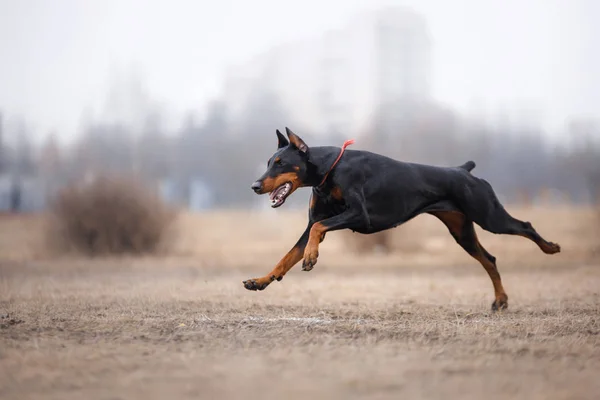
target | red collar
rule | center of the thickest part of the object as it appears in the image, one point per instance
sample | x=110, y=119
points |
x=346, y=144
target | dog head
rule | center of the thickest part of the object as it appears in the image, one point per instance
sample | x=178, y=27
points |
x=286, y=169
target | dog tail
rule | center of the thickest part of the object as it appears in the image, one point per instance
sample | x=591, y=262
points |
x=468, y=166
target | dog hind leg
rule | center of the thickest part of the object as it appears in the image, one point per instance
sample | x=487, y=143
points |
x=463, y=231
x=484, y=208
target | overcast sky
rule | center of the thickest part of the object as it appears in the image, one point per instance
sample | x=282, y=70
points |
x=57, y=56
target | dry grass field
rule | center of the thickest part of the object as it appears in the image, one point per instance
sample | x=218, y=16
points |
x=414, y=323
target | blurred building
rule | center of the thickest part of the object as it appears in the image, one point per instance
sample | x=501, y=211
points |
x=336, y=82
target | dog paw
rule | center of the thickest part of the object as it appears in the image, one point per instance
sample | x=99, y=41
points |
x=310, y=259
x=552, y=248
x=499, y=305
x=256, y=284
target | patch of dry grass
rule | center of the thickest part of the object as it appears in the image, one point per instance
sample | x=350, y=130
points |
x=22, y=237
x=413, y=323
x=71, y=331
x=596, y=232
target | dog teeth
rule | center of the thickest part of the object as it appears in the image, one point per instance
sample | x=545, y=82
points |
x=281, y=193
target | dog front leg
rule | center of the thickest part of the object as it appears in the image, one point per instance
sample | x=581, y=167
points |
x=283, y=266
x=352, y=217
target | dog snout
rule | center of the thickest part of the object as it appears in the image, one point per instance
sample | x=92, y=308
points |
x=257, y=186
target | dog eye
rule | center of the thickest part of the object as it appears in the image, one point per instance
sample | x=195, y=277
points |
x=278, y=162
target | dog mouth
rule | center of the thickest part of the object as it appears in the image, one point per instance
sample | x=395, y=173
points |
x=279, y=195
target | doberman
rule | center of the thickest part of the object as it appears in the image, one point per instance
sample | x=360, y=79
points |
x=367, y=193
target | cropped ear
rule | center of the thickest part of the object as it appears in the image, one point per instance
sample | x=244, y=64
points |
x=296, y=141
x=282, y=141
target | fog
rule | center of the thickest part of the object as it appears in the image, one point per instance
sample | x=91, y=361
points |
x=171, y=89
x=57, y=58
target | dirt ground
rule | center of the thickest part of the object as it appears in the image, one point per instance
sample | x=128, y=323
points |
x=412, y=324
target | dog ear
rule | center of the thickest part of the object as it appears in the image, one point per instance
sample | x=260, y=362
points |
x=296, y=141
x=282, y=141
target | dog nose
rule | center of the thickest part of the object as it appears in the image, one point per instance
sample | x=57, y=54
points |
x=257, y=186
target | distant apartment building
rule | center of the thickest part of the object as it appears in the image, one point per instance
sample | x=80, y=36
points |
x=338, y=81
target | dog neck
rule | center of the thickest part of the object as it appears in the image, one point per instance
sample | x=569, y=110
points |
x=320, y=161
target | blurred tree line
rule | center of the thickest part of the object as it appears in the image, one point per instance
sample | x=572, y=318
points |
x=227, y=154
